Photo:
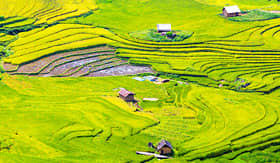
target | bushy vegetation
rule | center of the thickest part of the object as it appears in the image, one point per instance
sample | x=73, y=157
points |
x=153, y=35
x=2, y=70
x=15, y=25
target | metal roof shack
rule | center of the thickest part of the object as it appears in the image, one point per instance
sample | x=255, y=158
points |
x=126, y=95
x=231, y=11
x=164, y=27
x=164, y=147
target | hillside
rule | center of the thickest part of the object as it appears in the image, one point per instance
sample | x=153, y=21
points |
x=62, y=63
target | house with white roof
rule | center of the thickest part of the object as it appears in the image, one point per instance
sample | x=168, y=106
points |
x=231, y=11
x=164, y=28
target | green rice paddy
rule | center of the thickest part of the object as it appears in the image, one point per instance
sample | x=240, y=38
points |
x=221, y=105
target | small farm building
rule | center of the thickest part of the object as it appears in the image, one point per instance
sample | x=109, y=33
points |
x=164, y=28
x=126, y=95
x=164, y=147
x=231, y=11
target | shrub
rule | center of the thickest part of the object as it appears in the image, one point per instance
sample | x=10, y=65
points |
x=7, y=52
x=200, y=118
x=153, y=35
x=1, y=68
x=169, y=34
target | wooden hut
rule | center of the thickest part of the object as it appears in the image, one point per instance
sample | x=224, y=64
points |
x=164, y=28
x=231, y=11
x=126, y=95
x=164, y=147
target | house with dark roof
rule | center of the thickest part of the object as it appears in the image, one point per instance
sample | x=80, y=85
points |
x=231, y=11
x=164, y=147
x=126, y=95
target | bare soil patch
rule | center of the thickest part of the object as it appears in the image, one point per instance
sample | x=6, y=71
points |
x=10, y=67
x=100, y=61
x=74, y=60
x=59, y=69
x=274, y=12
x=37, y=65
x=93, y=66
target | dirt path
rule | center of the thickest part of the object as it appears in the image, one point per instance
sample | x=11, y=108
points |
x=274, y=12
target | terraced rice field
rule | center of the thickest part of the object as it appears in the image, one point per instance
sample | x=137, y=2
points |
x=43, y=53
x=256, y=127
x=5, y=39
x=67, y=64
x=250, y=54
x=89, y=62
x=230, y=125
x=45, y=11
x=221, y=105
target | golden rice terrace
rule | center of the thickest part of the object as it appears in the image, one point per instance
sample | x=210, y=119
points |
x=202, y=76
